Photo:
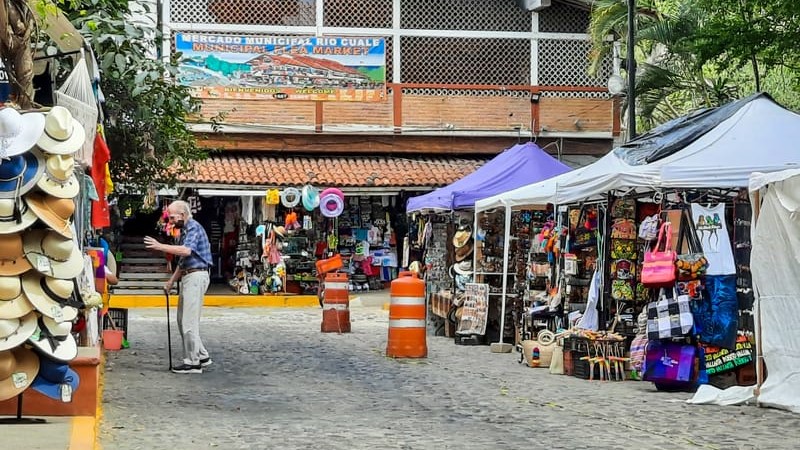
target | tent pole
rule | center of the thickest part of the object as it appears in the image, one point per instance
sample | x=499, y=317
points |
x=500, y=347
x=756, y=207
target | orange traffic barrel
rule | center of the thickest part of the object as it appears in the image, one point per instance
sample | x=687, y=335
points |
x=407, y=318
x=336, y=304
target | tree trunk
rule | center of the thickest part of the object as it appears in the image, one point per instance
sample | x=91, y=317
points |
x=16, y=26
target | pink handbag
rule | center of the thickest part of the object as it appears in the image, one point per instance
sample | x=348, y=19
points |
x=658, y=269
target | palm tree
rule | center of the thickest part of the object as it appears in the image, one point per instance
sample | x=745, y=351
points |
x=671, y=80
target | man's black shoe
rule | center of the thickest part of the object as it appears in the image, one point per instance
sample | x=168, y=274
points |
x=186, y=368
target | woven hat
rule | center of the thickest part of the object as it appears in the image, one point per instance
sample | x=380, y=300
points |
x=463, y=268
x=13, y=302
x=15, y=215
x=52, y=254
x=54, y=339
x=18, y=132
x=63, y=135
x=18, y=369
x=19, y=173
x=59, y=177
x=462, y=236
x=53, y=375
x=13, y=332
x=51, y=296
x=12, y=255
x=464, y=251
x=53, y=211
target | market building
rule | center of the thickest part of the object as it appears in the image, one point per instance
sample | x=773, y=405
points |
x=381, y=100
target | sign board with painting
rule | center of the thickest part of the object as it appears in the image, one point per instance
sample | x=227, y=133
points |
x=476, y=309
x=721, y=360
x=283, y=67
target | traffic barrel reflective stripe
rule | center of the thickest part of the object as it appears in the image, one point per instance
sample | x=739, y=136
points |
x=336, y=304
x=407, y=311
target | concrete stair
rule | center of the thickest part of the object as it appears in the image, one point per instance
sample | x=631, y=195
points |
x=141, y=272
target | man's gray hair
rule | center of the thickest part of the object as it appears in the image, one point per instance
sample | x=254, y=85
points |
x=182, y=207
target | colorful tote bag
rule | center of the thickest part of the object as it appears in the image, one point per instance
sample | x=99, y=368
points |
x=669, y=317
x=658, y=269
x=669, y=362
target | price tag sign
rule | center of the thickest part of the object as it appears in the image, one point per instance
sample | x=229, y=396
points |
x=43, y=264
x=19, y=379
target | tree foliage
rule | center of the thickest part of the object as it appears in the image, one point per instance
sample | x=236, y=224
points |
x=145, y=111
x=704, y=53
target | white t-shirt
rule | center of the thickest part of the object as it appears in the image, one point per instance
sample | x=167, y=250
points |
x=713, y=235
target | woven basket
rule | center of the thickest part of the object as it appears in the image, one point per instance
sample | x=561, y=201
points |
x=545, y=352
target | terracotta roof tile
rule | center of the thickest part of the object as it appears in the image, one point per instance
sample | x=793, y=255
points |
x=341, y=171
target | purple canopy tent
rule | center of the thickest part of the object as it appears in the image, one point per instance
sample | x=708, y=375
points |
x=517, y=166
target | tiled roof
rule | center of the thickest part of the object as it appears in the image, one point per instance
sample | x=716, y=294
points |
x=342, y=171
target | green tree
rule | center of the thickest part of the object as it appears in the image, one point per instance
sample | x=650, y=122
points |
x=145, y=111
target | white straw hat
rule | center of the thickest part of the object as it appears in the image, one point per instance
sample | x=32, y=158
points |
x=63, y=134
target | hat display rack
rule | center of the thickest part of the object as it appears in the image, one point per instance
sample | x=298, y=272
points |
x=39, y=254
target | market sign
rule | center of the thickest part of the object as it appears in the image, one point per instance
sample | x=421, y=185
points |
x=476, y=309
x=283, y=67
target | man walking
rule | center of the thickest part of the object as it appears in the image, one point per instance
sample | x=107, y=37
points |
x=194, y=251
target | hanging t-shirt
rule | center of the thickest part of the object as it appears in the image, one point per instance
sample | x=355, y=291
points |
x=101, y=217
x=713, y=235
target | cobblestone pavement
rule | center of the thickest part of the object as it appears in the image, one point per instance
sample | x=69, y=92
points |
x=277, y=382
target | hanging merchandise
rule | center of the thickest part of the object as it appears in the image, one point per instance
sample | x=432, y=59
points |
x=648, y=229
x=669, y=317
x=585, y=233
x=273, y=196
x=291, y=221
x=20, y=132
x=713, y=233
x=331, y=202
x=19, y=173
x=101, y=216
x=77, y=95
x=623, y=229
x=310, y=197
x=290, y=197
x=59, y=178
x=658, y=269
x=692, y=265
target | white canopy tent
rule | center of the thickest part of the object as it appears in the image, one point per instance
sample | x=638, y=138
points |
x=775, y=264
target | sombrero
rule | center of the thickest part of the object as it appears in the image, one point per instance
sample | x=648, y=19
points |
x=13, y=332
x=51, y=296
x=19, y=173
x=13, y=302
x=463, y=267
x=53, y=211
x=15, y=215
x=464, y=251
x=59, y=177
x=462, y=235
x=12, y=255
x=53, y=377
x=52, y=254
x=18, y=368
x=55, y=339
x=63, y=134
x=18, y=132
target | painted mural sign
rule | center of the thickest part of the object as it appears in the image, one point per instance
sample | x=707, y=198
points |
x=283, y=67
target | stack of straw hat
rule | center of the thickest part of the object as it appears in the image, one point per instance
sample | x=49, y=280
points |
x=39, y=257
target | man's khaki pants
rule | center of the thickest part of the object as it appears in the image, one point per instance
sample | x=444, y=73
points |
x=193, y=288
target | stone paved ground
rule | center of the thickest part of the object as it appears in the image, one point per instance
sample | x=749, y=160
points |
x=278, y=383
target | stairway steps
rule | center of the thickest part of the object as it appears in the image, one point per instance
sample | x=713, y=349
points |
x=126, y=260
x=136, y=284
x=144, y=276
x=141, y=292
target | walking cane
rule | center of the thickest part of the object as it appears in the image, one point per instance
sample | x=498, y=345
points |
x=169, y=334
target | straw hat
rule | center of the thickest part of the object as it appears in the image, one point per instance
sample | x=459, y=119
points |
x=51, y=296
x=53, y=375
x=63, y=134
x=19, y=173
x=59, y=177
x=13, y=302
x=464, y=251
x=462, y=236
x=463, y=267
x=55, y=339
x=53, y=211
x=15, y=215
x=18, y=368
x=13, y=332
x=19, y=132
x=52, y=254
x=12, y=255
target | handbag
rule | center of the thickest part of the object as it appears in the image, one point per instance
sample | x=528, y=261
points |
x=669, y=362
x=669, y=317
x=623, y=229
x=658, y=269
x=584, y=235
x=648, y=229
x=692, y=265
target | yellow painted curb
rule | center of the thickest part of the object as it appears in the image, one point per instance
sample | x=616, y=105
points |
x=83, y=434
x=386, y=306
x=246, y=301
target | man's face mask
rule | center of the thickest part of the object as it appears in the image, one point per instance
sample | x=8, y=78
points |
x=177, y=220
x=179, y=223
